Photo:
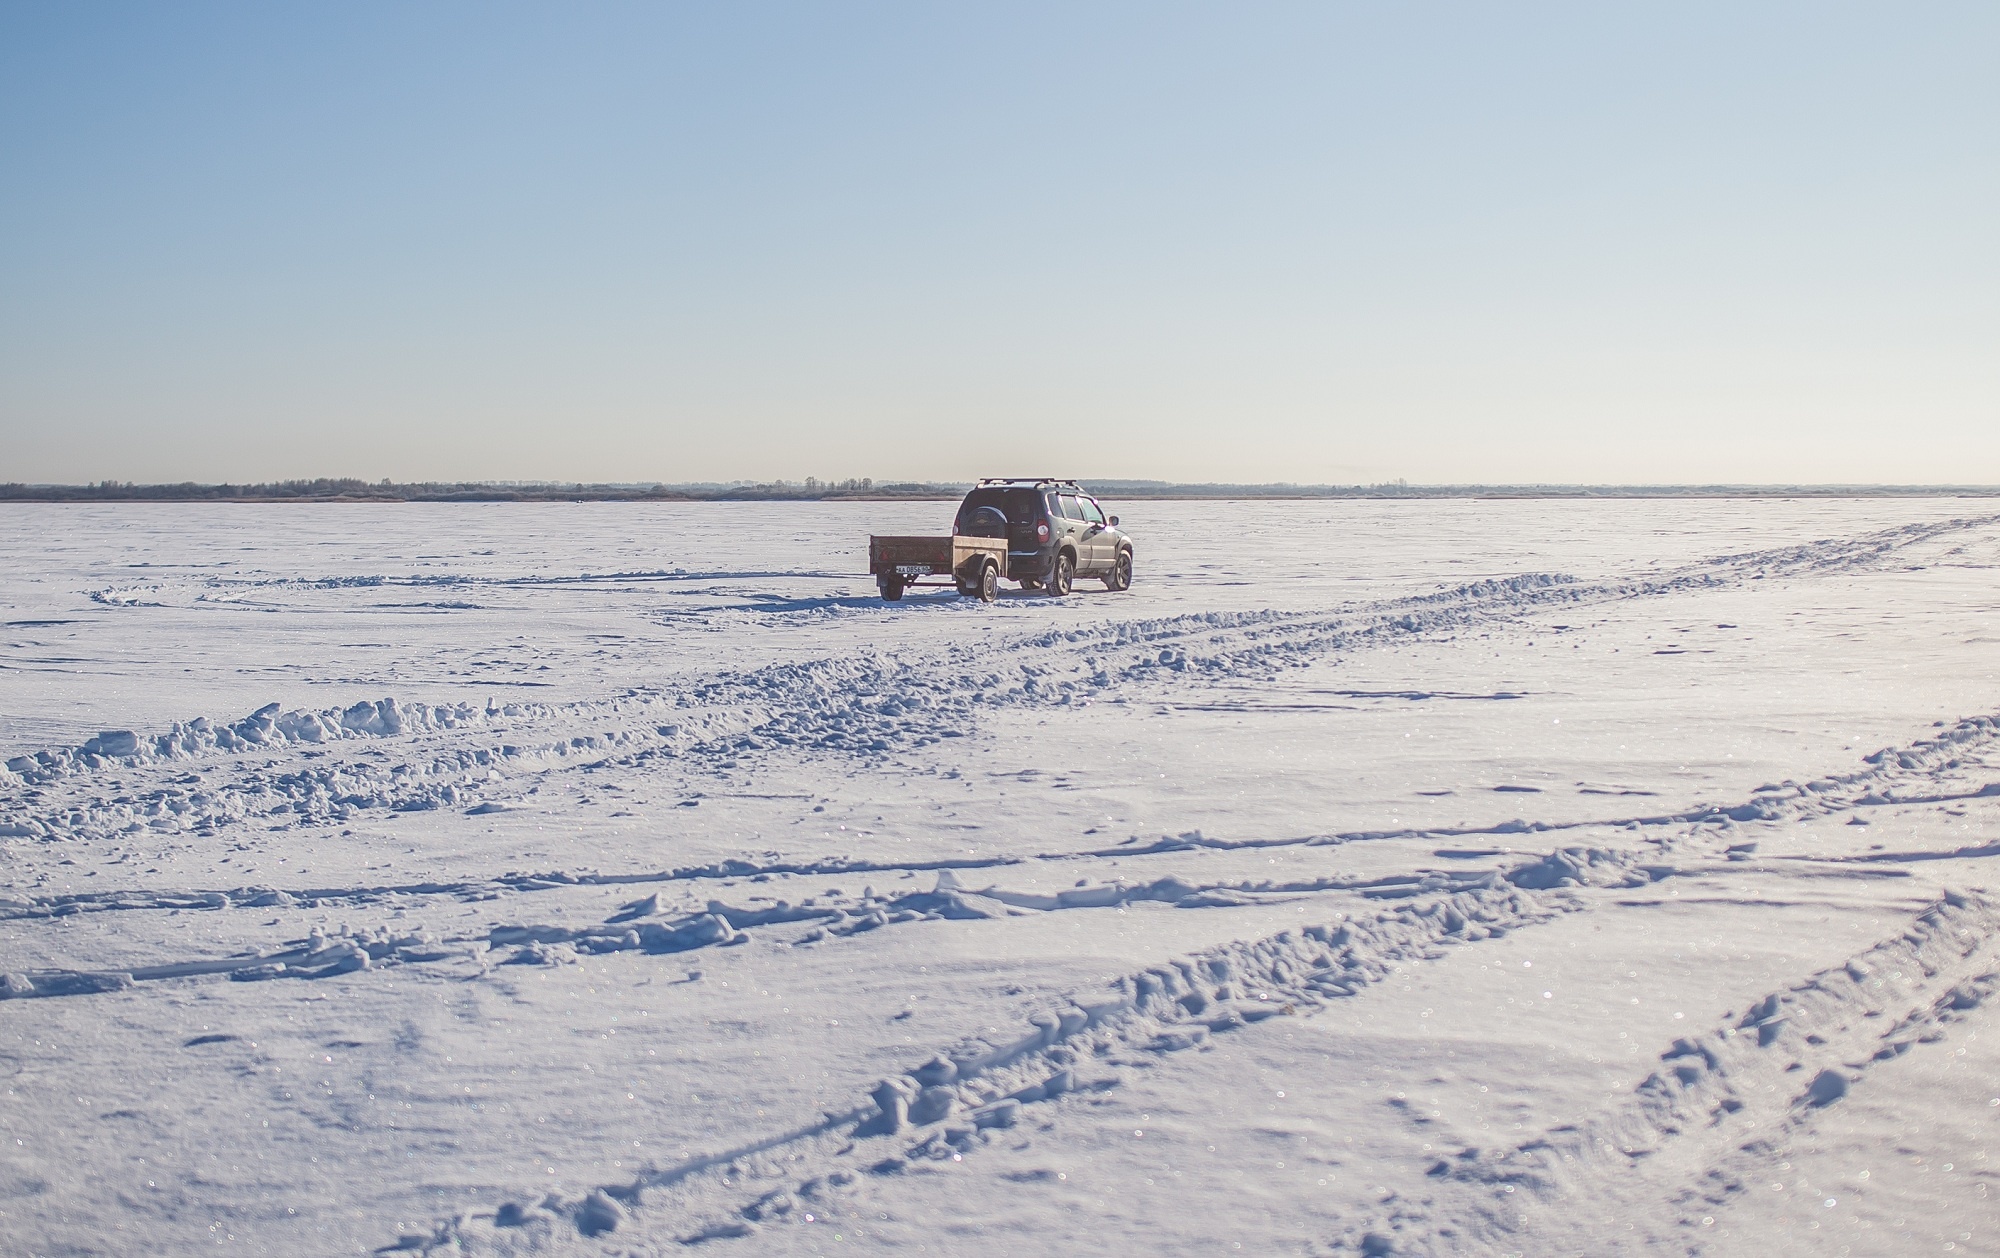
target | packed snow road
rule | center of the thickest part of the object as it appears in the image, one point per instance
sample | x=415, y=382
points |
x=1379, y=878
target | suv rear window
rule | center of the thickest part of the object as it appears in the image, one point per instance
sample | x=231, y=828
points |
x=1022, y=506
x=1071, y=508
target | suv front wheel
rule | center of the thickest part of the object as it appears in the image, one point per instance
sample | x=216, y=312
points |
x=1062, y=573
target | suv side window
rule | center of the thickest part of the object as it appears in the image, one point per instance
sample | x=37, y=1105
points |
x=1091, y=512
x=1071, y=508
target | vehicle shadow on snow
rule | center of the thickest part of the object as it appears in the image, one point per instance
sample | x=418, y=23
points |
x=910, y=602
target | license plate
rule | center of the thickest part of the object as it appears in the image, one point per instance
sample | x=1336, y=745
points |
x=913, y=569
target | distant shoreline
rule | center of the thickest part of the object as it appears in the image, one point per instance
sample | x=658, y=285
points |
x=355, y=491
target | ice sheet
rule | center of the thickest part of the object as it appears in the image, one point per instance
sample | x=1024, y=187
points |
x=578, y=878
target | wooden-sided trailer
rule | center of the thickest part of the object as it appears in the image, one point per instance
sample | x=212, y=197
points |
x=976, y=565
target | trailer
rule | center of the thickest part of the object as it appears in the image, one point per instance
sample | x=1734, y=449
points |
x=976, y=565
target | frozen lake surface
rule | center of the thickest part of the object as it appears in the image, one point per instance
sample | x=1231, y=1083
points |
x=1414, y=878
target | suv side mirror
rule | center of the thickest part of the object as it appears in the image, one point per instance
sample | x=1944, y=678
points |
x=1114, y=521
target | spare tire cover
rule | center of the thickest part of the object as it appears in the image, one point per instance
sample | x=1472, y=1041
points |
x=986, y=522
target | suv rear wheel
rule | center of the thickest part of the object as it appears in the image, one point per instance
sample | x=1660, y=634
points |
x=1062, y=573
x=1119, y=579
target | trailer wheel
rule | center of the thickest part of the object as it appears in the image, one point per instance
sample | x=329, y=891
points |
x=1062, y=573
x=891, y=587
x=989, y=582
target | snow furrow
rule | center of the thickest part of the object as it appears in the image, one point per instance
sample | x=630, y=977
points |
x=720, y=924
x=864, y=705
x=1873, y=785
x=952, y=1103
x=1720, y=1104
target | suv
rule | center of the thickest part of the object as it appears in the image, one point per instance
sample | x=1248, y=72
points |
x=1054, y=531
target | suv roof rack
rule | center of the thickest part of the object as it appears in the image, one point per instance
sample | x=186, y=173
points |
x=1036, y=481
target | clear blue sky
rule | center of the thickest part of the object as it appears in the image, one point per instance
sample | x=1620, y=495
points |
x=1311, y=242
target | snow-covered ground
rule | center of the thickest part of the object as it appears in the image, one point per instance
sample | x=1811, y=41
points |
x=1373, y=877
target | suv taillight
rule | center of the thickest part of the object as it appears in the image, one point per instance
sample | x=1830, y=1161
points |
x=1042, y=531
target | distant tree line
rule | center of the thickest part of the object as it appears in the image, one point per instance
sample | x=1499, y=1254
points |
x=350, y=489
x=812, y=489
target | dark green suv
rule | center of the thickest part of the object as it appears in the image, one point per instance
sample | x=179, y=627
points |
x=1055, y=532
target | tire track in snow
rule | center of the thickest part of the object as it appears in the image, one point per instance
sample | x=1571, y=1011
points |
x=1928, y=759
x=950, y=1105
x=1873, y=785
x=1727, y=1100
x=866, y=705
x=1212, y=646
